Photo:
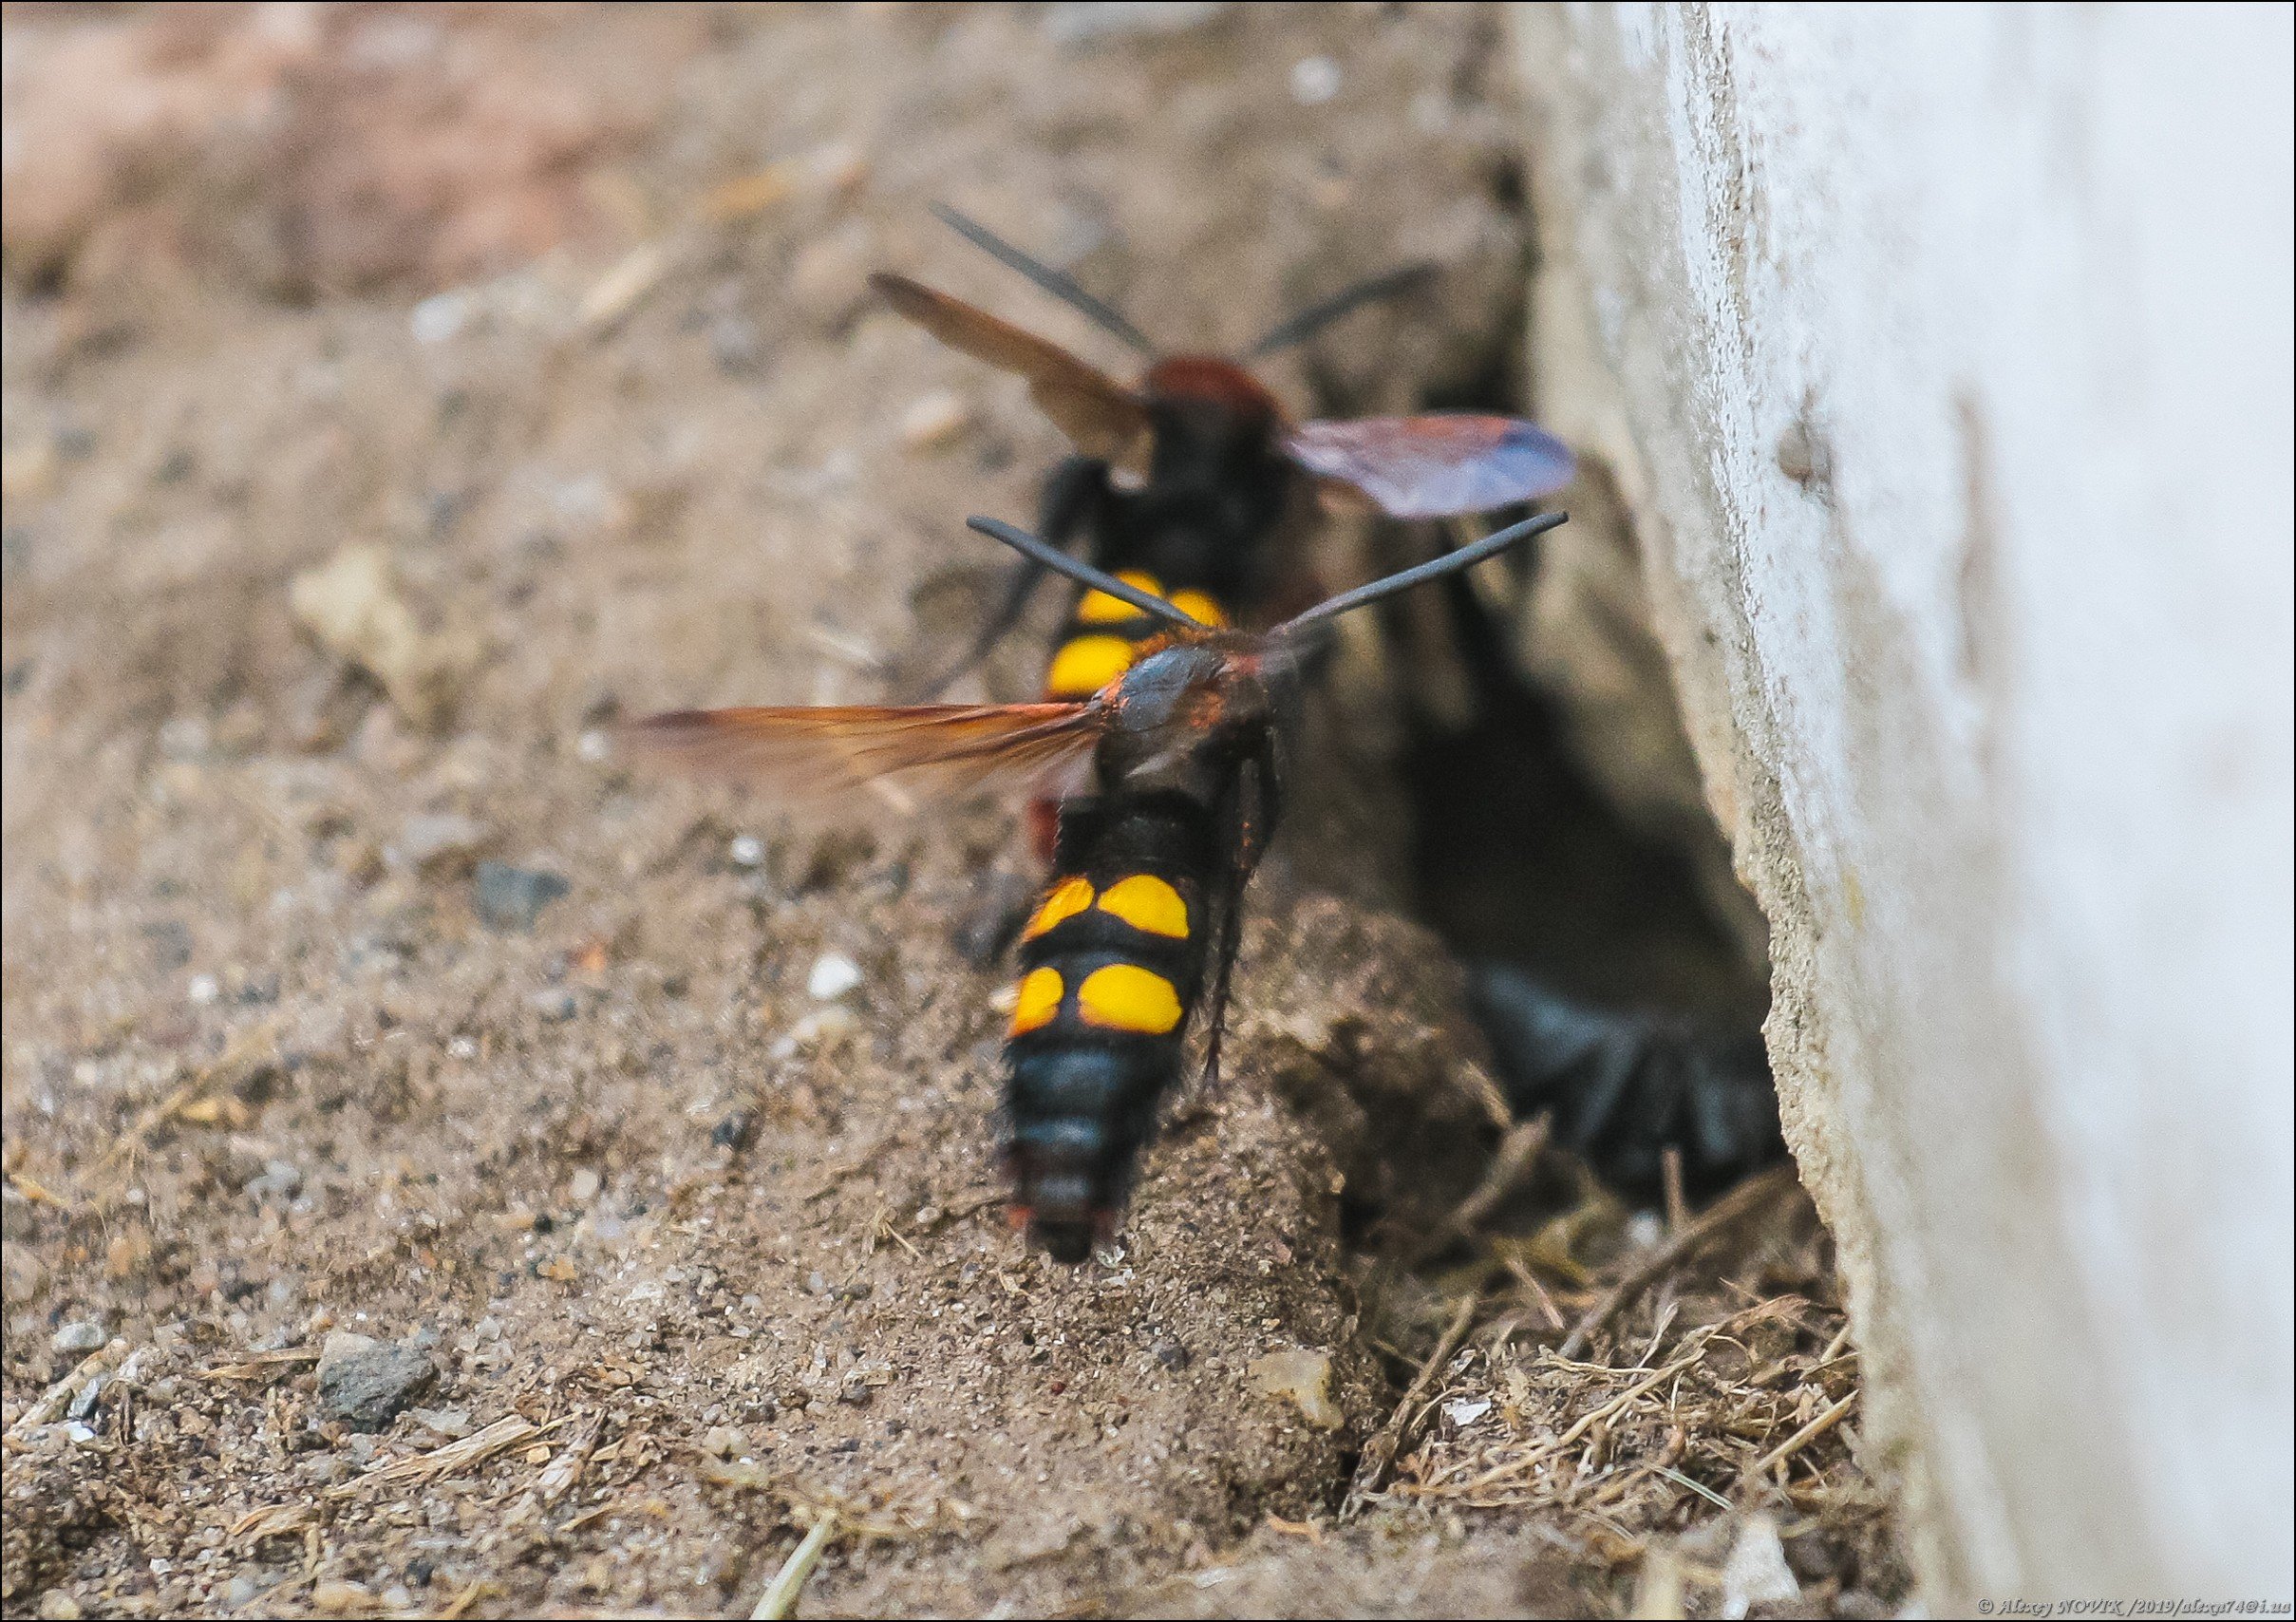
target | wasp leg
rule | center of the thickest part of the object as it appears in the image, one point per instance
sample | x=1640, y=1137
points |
x=1073, y=492
x=1625, y=1088
x=993, y=916
x=1255, y=805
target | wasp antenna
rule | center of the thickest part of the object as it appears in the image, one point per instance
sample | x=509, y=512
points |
x=1299, y=327
x=1052, y=557
x=1449, y=564
x=1061, y=287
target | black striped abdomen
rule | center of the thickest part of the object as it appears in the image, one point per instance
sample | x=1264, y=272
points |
x=1111, y=964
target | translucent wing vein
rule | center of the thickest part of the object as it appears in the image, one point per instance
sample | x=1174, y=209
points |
x=806, y=753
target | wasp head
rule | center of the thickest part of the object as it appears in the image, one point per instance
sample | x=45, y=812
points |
x=1184, y=715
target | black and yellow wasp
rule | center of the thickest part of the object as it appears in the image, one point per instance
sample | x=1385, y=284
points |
x=1180, y=486
x=1138, y=926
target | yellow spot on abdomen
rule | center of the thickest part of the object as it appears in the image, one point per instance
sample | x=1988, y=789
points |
x=1068, y=897
x=1087, y=664
x=1124, y=996
x=1149, y=904
x=1040, y=999
x=1099, y=608
x=1200, y=608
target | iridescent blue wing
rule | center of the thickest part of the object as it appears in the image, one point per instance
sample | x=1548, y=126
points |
x=1434, y=465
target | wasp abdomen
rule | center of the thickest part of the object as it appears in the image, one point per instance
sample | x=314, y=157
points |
x=1111, y=965
x=1104, y=639
x=1104, y=634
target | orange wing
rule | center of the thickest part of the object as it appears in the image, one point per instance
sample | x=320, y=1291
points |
x=1103, y=417
x=935, y=749
x=1434, y=465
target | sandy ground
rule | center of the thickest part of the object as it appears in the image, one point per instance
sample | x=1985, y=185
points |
x=370, y=995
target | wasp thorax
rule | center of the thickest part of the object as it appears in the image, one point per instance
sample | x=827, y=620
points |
x=1182, y=717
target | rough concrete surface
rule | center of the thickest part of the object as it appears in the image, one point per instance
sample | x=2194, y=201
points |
x=1941, y=360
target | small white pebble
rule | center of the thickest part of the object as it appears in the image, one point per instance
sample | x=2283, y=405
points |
x=436, y=839
x=446, y=1422
x=1756, y=1571
x=1315, y=81
x=594, y=745
x=184, y=737
x=833, y=975
x=1464, y=1411
x=84, y=1335
x=820, y=1025
x=336, y=1598
x=586, y=499
x=933, y=420
x=203, y=991
x=438, y=318
x=748, y=850
x=583, y=1186
x=462, y=1047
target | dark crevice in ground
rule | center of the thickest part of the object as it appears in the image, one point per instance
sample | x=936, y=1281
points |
x=1610, y=989
x=1517, y=856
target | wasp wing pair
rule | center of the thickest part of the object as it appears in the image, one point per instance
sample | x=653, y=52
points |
x=1430, y=465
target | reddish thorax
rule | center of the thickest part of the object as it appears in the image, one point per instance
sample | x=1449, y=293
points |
x=1213, y=381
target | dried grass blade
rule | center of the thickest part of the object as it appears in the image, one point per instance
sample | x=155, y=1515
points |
x=263, y=1364
x=562, y=1473
x=781, y=1595
x=241, y=1059
x=475, y=1448
x=1801, y=1438
x=1517, y=1153
x=1378, y=1453
x=1724, y=1213
x=1701, y=1488
x=59, y=1396
x=468, y=1597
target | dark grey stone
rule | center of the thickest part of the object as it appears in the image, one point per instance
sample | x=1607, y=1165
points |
x=511, y=898
x=365, y=1383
